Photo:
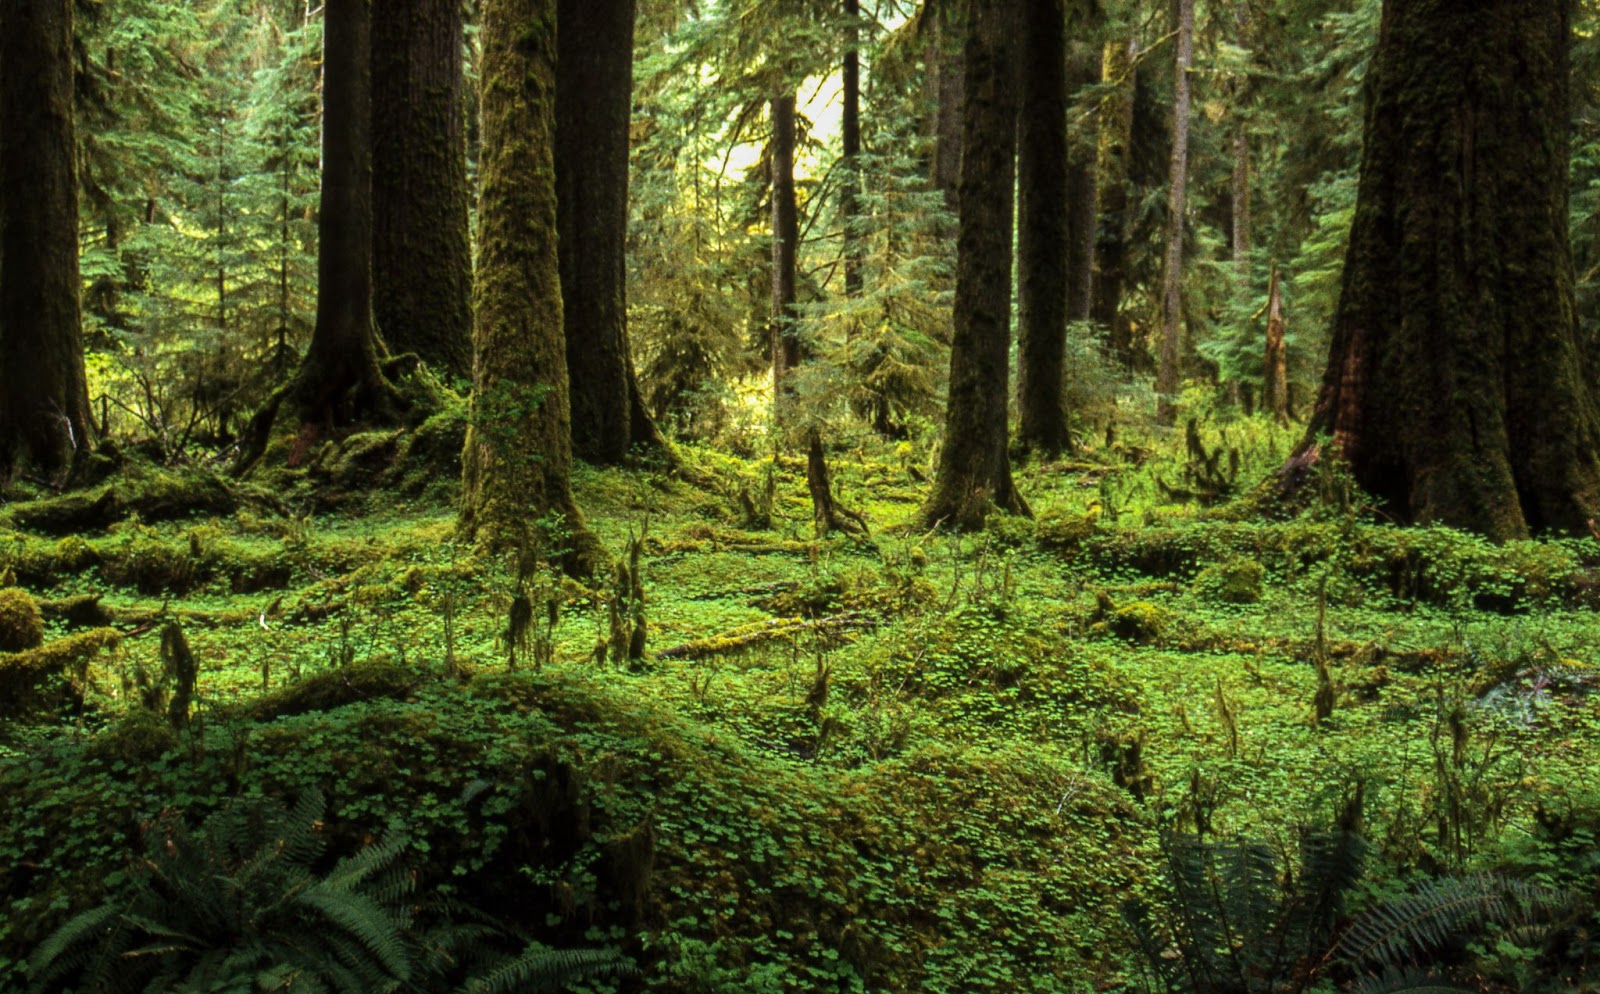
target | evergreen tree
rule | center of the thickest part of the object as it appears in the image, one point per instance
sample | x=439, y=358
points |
x=516, y=485
x=1455, y=387
x=44, y=401
x=974, y=470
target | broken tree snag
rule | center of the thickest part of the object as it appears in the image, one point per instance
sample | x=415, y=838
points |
x=828, y=515
x=1275, y=389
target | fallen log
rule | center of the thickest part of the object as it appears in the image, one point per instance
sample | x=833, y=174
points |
x=767, y=631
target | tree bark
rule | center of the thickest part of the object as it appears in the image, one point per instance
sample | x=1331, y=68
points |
x=947, y=83
x=422, y=258
x=974, y=470
x=340, y=380
x=1083, y=69
x=1275, y=383
x=1042, y=235
x=1111, y=242
x=45, y=422
x=594, y=105
x=850, y=157
x=1168, y=375
x=1455, y=387
x=516, y=470
x=785, y=243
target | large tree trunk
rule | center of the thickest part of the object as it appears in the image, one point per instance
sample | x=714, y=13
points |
x=594, y=104
x=785, y=245
x=422, y=259
x=1168, y=374
x=44, y=403
x=1083, y=69
x=1114, y=209
x=1455, y=387
x=340, y=380
x=974, y=470
x=850, y=158
x=1042, y=236
x=516, y=470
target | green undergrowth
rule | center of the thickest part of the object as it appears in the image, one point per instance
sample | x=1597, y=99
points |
x=908, y=761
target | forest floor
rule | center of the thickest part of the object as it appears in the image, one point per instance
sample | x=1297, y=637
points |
x=908, y=762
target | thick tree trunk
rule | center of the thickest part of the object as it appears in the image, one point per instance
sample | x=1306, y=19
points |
x=1114, y=209
x=516, y=470
x=850, y=158
x=1043, y=235
x=1275, y=383
x=45, y=420
x=1455, y=387
x=1083, y=69
x=785, y=245
x=422, y=258
x=1168, y=375
x=974, y=470
x=594, y=104
x=340, y=380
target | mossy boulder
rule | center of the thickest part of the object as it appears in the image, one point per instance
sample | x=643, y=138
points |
x=1237, y=581
x=21, y=623
x=370, y=680
x=140, y=736
x=1065, y=532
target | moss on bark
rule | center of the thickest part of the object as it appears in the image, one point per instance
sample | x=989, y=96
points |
x=516, y=468
x=1455, y=388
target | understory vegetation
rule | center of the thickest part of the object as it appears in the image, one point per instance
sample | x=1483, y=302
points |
x=1292, y=750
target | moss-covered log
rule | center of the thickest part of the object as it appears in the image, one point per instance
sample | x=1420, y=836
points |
x=1455, y=387
x=516, y=468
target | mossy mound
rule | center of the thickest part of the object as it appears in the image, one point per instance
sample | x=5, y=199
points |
x=153, y=493
x=21, y=623
x=1237, y=581
x=52, y=673
x=370, y=680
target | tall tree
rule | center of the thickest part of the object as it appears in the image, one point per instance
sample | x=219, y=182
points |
x=516, y=472
x=974, y=470
x=594, y=102
x=44, y=400
x=1168, y=372
x=941, y=26
x=1114, y=207
x=1455, y=388
x=421, y=260
x=850, y=143
x=1083, y=70
x=785, y=244
x=1043, y=234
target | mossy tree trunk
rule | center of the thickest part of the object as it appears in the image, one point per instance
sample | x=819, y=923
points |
x=974, y=470
x=1042, y=231
x=340, y=380
x=850, y=150
x=1113, y=203
x=516, y=472
x=1455, y=387
x=785, y=247
x=45, y=420
x=594, y=102
x=1275, y=381
x=422, y=258
x=1168, y=373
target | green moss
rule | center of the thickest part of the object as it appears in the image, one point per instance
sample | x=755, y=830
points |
x=1143, y=622
x=1237, y=581
x=372, y=680
x=21, y=624
x=26, y=677
x=1060, y=531
x=140, y=736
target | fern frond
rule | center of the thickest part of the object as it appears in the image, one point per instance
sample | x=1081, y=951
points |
x=63, y=949
x=541, y=969
x=1406, y=982
x=1441, y=910
x=364, y=920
